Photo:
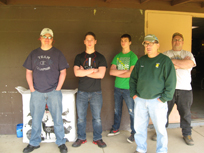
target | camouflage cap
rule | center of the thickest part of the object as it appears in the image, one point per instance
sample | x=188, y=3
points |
x=151, y=38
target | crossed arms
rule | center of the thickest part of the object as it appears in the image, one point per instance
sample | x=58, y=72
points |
x=185, y=63
x=91, y=73
x=120, y=73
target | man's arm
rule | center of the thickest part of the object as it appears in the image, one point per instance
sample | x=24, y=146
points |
x=29, y=78
x=115, y=72
x=80, y=72
x=133, y=82
x=120, y=73
x=127, y=74
x=176, y=67
x=170, y=82
x=98, y=73
x=186, y=63
x=61, y=79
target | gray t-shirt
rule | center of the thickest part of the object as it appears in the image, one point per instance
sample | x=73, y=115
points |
x=46, y=67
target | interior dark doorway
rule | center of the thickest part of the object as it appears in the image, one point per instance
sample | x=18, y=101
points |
x=197, y=108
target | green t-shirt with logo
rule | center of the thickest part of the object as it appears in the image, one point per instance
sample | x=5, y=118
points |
x=124, y=62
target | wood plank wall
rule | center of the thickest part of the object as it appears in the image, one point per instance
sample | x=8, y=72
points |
x=20, y=27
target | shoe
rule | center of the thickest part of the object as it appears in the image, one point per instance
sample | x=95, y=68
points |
x=188, y=139
x=154, y=137
x=63, y=148
x=100, y=143
x=113, y=132
x=30, y=148
x=78, y=142
x=131, y=139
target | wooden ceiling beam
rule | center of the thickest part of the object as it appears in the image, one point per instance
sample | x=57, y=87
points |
x=177, y=2
x=4, y=2
x=143, y=1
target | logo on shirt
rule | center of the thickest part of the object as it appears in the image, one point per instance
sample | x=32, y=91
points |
x=43, y=63
x=157, y=65
x=123, y=63
x=142, y=65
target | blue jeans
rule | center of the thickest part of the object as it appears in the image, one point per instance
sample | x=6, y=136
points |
x=37, y=108
x=96, y=101
x=145, y=108
x=119, y=95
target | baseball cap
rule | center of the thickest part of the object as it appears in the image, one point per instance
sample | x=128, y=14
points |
x=47, y=31
x=177, y=34
x=150, y=38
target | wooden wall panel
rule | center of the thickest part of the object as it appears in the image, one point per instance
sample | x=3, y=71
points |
x=20, y=28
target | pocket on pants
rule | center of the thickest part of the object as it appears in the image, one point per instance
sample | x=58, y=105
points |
x=80, y=92
x=98, y=92
x=135, y=99
x=162, y=105
x=57, y=90
x=33, y=92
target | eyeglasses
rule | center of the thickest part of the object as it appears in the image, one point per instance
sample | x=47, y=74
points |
x=45, y=37
x=149, y=44
x=179, y=40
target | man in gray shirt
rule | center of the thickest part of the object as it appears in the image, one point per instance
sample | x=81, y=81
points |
x=45, y=73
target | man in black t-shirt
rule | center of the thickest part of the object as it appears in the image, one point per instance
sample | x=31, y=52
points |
x=45, y=73
x=90, y=66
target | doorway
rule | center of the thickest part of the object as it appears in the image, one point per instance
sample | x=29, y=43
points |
x=197, y=108
x=163, y=24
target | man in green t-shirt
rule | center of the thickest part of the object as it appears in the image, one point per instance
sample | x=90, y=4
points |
x=122, y=66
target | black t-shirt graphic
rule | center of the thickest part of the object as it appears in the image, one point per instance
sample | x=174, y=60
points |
x=85, y=83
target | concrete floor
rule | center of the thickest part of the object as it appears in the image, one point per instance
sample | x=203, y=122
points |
x=116, y=144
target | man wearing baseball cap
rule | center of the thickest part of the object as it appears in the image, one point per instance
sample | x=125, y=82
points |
x=183, y=97
x=45, y=73
x=152, y=84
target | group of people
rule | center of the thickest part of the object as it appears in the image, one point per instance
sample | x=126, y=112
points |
x=150, y=86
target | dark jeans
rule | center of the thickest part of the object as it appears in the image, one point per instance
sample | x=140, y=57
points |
x=183, y=99
x=96, y=101
x=119, y=95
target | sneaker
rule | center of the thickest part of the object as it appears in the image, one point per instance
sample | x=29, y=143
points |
x=113, y=132
x=63, y=148
x=131, y=139
x=100, y=143
x=188, y=139
x=154, y=137
x=30, y=148
x=78, y=142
